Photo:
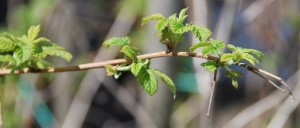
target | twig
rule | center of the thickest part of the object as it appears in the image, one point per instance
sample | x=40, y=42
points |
x=212, y=93
x=260, y=107
x=91, y=82
x=257, y=71
x=145, y=56
x=269, y=81
x=102, y=64
x=285, y=110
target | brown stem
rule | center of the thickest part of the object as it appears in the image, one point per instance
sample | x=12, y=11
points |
x=257, y=71
x=102, y=64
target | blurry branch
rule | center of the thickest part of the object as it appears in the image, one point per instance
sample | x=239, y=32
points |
x=285, y=110
x=224, y=26
x=93, y=79
x=260, y=107
x=180, y=118
x=255, y=9
x=129, y=103
x=261, y=72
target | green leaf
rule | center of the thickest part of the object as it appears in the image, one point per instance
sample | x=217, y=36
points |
x=233, y=75
x=6, y=45
x=41, y=51
x=119, y=41
x=178, y=27
x=161, y=24
x=110, y=70
x=172, y=18
x=23, y=53
x=148, y=81
x=210, y=65
x=33, y=32
x=24, y=40
x=214, y=47
x=41, y=39
x=249, y=58
x=167, y=80
x=231, y=47
x=235, y=83
x=135, y=68
x=7, y=58
x=198, y=45
x=130, y=52
x=201, y=33
x=152, y=17
x=182, y=15
x=254, y=52
x=227, y=58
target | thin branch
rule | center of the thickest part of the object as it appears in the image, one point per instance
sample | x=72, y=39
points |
x=212, y=93
x=102, y=64
x=144, y=56
x=269, y=81
x=257, y=70
x=260, y=107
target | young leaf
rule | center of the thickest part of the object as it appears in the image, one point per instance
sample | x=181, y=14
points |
x=167, y=80
x=148, y=81
x=33, y=32
x=41, y=39
x=24, y=40
x=7, y=58
x=254, y=52
x=110, y=70
x=152, y=17
x=182, y=15
x=210, y=65
x=198, y=45
x=135, y=68
x=214, y=47
x=23, y=53
x=201, y=33
x=235, y=83
x=6, y=44
x=178, y=27
x=130, y=52
x=227, y=58
x=120, y=41
x=249, y=58
x=233, y=75
x=231, y=47
x=51, y=49
x=161, y=25
x=172, y=18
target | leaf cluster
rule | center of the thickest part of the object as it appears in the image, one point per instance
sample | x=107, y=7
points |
x=140, y=68
x=28, y=50
x=171, y=30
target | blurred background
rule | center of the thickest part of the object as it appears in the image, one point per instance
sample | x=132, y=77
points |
x=90, y=99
